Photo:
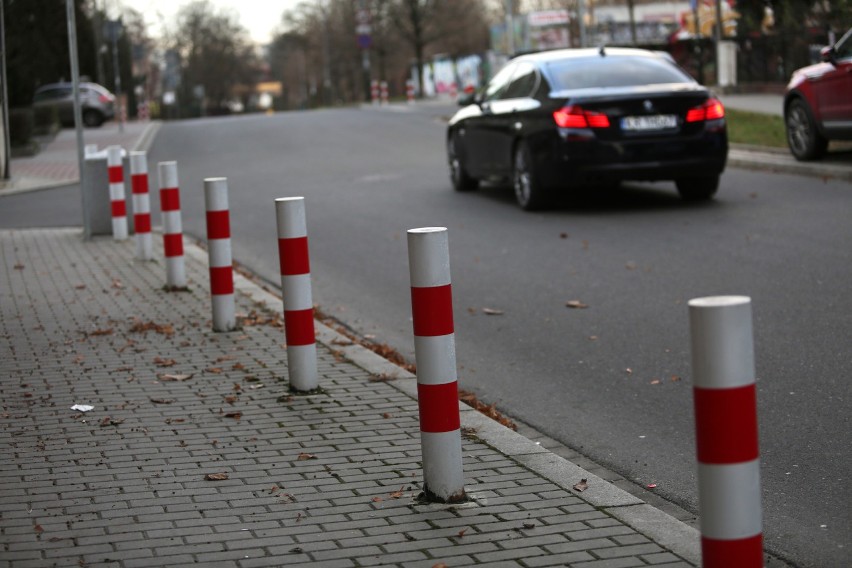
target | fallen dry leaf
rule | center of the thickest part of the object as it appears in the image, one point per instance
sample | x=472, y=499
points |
x=655, y=381
x=39, y=529
x=439, y=565
x=214, y=370
x=163, y=329
x=216, y=476
x=305, y=456
x=117, y=283
x=161, y=362
x=461, y=532
x=107, y=421
x=169, y=377
x=106, y=331
x=576, y=304
x=387, y=415
x=162, y=400
x=582, y=486
x=224, y=358
x=376, y=499
x=396, y=494
x=20, y=266
x=529, y=525
x=231, y=399
x=675, y=378
x=234, y=415
x=492, y=312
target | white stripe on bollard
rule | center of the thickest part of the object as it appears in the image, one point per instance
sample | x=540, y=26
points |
x=141, y=205
x=219, y=248
x=172, y=226
x=296, y=291
x=435, y=354
x=725, y=398
x=115, y=170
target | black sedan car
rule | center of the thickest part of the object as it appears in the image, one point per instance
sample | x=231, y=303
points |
x=589, y=117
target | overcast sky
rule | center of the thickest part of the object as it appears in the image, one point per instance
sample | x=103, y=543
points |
x=259, y=17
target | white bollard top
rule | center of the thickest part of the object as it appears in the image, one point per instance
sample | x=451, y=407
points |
x=138, y=163
x=722, y=342
x=429, y=257
x=216, y=194
x=290, y=217
x=114, y=154
x=168, y=174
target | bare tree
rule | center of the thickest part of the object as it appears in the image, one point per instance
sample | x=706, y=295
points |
x=215, y=52
x=424, y=23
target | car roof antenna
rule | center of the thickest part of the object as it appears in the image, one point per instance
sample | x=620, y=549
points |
x=602, y=50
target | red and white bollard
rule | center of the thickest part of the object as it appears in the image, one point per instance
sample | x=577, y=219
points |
x=384, y=88
x=435, y=354
x=296, y=292
x=409, y=91
x=374, y=91
x=726, y=432
x=115, y=171
x=219, y=249
x=141, y=205
x=172, y=226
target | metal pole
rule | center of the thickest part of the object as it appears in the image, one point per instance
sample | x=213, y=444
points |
x=115, y=26
x=78, y=111
x=719, y=42
x=5, y=94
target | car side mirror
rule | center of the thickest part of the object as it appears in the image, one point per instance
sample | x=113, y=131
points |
x=466, y=99
x=828, y=55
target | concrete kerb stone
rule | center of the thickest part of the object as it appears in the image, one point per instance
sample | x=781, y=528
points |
x=660, y=527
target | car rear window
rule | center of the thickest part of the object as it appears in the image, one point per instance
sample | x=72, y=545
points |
x=613, y=71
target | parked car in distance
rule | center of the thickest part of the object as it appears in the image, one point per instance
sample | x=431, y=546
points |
x=818, y=102
x=97, y=103
x=585, y=117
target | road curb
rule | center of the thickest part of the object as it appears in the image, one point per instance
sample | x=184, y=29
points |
x=655, y=524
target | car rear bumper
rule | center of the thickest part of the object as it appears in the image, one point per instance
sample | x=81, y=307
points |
x=566, y=162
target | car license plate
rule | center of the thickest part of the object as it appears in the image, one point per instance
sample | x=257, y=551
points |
x=646, y=123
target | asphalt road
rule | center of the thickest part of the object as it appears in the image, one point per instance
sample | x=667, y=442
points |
x=612, y=380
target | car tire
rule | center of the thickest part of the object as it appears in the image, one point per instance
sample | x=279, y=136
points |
x=698, y=188
x=529, y=192
x=92, y=118
x=803, y=136
x=459, y=177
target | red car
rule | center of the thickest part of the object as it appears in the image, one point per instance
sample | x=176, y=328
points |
x=818, y=102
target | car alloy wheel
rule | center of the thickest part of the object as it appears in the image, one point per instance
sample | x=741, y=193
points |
x=458, y=176
x=528, y=191
x=803, y=137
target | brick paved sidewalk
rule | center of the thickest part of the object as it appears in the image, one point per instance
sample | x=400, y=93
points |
x=326, y=480
x=56, y=163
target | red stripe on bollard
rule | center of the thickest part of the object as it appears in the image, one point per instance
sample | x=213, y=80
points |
x=119, y=208
x=218, y=225
x=173, y=244
x=169, y=199
x=293, y=256
x=116, y=174
x=142, y=222
x=439, y=407
x=728, y=419
x=432, y=310
x=221, y=280
x=299, y=327
x=746, y=551
x=139, y=183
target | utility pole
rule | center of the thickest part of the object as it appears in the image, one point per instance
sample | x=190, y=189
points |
x=510, y=26
x=78, y=110
x=4, y=166
x=113, y=28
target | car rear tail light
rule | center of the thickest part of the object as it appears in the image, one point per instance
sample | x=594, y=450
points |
x=104, y=99
x=712, y=109
x=574, y=116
